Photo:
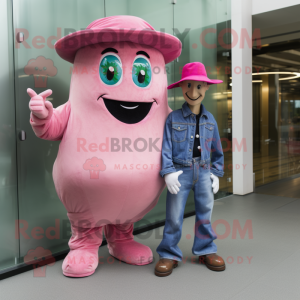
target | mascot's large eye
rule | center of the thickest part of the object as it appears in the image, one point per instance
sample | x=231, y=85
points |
x=141, y=72
x=110, y=69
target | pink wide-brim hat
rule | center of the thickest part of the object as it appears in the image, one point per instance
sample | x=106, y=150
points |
x=194, y=71
x=119, y=29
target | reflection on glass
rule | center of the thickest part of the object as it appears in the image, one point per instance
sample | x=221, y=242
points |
x=9, y=245
x=43, y=218
x=276, y=115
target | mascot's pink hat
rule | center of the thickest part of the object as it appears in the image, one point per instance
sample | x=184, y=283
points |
x=194, y=71
x=119, y=29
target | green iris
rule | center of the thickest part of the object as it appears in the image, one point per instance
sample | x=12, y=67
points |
x=141, y=74
x=110, y=69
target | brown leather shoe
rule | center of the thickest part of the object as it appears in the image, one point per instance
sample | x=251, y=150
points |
x=213, y=262
x=165, y=266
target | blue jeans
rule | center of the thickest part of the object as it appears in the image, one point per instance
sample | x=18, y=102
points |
x=197, y=178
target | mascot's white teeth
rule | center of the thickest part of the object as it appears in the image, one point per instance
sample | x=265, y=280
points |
x=129, y=107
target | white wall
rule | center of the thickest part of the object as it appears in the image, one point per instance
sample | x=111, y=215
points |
x=242, y=123
x=261, y=6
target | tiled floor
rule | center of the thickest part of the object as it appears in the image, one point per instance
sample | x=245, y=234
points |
x=265, y=266
x=287, y=187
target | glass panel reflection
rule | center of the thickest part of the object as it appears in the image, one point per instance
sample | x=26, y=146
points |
x=9, y=246
x=276, y=109
x=43, y=219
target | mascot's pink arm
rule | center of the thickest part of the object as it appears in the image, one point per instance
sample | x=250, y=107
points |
x=52, y=128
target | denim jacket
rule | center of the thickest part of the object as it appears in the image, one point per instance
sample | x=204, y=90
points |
x=178, y=141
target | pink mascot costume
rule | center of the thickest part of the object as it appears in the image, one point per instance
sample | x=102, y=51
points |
x=107, y=168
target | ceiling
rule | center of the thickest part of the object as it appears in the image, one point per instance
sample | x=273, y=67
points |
x=280, y=44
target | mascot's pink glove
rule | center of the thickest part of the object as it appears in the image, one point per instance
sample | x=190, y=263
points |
x=38, y=105
x=172, y=182
x=215, y=184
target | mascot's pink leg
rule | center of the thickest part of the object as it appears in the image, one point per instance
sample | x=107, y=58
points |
x=121, y=245
x=82, y=260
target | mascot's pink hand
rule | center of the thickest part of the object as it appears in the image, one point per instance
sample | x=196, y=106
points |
x=38, y=104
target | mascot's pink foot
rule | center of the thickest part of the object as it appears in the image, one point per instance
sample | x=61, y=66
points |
x=122, y=246
x=131, y=252
x=80, y=262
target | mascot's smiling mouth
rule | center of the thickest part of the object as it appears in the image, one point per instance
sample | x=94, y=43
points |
x=126, y=111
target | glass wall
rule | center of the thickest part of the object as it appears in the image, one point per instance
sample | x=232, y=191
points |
x=27, y=191
x=39, y=205
x=276, y=94
x=9, y=246
x=42, y=218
